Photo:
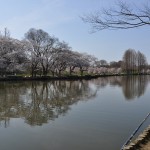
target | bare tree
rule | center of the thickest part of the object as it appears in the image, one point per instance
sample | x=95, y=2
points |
x=121, y=16
x=134, y=61
x=115, y=64
x=129, y=61
x=141, y=62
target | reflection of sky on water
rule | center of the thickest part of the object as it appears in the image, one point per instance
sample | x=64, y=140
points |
x=38, y=102
x=72, y=114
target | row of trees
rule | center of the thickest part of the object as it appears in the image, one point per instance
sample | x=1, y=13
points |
x=134, y=61
x=41, y=54
x=123, y=15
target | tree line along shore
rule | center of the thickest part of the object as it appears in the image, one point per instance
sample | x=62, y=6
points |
x=42, y=56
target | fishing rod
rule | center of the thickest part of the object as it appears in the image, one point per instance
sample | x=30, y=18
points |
x=132, y=135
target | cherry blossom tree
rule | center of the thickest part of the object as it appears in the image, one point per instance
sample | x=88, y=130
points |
x=12, y=56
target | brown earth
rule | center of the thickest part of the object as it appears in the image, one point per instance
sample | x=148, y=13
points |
x=145, y=146
x=142, y=142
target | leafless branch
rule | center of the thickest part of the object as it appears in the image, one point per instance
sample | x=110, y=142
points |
x=120, y=17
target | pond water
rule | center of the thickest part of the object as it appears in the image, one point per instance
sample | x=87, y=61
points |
x=98, y=114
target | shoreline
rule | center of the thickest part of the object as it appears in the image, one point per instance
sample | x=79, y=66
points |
x=73, y=77
x=140, y=142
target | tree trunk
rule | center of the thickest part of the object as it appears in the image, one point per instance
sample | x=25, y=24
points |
x=81, y=72
x=59, y=73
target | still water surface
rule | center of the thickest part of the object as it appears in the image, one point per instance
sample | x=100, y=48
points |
x=97, y=114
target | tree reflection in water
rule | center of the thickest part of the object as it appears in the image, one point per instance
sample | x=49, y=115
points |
x=132, y=86
x=39, y=102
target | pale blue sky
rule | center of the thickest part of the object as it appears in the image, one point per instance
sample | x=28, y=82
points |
x=61, y=18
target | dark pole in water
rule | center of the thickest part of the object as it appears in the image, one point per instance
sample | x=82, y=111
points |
x=132, y=135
